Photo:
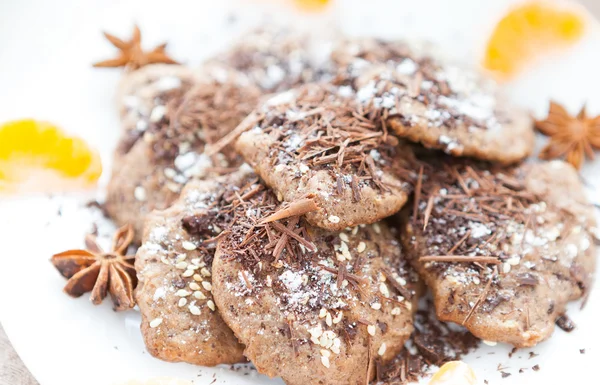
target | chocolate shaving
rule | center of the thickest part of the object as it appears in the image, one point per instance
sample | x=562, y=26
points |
x=293, y=209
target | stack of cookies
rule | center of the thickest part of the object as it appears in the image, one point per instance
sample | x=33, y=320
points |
x=291, y=211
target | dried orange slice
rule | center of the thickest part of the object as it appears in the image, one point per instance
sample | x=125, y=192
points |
x=37, y=156
x=312, y=5
x=529, y=30
x=454, y=373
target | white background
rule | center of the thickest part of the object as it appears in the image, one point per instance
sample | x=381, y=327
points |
x=46, y=48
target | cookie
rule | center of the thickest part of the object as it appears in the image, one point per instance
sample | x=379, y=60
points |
x=503, y=250
x=174, y=264
x=140, y=91
x=150, y=173
x=312, y=306
x=318, y=141
x=434, y=102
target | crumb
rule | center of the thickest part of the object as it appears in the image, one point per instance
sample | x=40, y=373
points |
x=581, y=351
x=536, y=368
x=505, y=374
x=532, y=354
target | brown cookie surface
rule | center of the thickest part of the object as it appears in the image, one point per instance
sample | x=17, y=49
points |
x=318, y=141
x=180, y=321
x=312, y=306
x=435, y=102
x=503, y=250
x=149, y=173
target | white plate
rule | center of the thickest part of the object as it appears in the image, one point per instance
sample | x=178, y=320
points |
x=46, y=48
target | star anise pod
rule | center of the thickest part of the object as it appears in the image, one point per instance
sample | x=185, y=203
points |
x=132, y=56
x=570, y=137
x=100, y=272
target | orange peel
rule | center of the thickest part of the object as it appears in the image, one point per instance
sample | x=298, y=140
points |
x=39, y=157
x=528, y=31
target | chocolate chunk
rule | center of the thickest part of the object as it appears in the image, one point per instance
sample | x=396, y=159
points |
x=430, y=348
x=565, y=323
x=199, y=225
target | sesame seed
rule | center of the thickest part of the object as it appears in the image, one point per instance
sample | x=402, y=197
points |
x=506, y=268
x=206, y=285
x=279, y=196
x=188, y=245
x=155, y=322
x=197, y=277
x=188, y=273
x=382, y=349
x=489, y=343
x=328, y=319
x=211, y=305
x=322, y=312
x=182, y=293
x=337, y=343
x=182, y=302
x=195, y=310
x=396, y=311
x=317, y=331
x=384, y=290
x=304, y=168
x=181, y=265
x=408, y=305
x=304, y=279
x=334, y=219
x=344, y=237
x=371, y=330
x=376, y=306
x=355, y=230
x=376, y=228
x=170, y=173
x=325, y=361
x=204, y=271
x=513, y=261
x=325, y=353
x=199, y=295
x=338, y=317
x=139, y=193
x=194, y=286
x=269, y=281
x=361, y=247
x=196, y=261
x=181, y=257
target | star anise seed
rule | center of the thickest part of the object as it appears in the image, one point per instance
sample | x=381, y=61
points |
x=132, y=56
x=101, y=273
x=570, y=137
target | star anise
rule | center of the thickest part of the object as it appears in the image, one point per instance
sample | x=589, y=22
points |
x=570, y=137
x=99, y=272
x=132, y=56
